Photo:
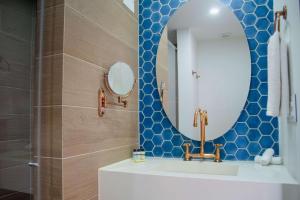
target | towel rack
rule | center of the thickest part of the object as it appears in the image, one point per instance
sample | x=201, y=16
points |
x=278, y=14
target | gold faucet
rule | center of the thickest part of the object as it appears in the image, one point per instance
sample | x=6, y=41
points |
x=201, y=154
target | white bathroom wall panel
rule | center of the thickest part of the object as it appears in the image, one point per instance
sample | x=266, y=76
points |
x=290, y=131
x=187, y=87
x=225, y=69
x=172, y=66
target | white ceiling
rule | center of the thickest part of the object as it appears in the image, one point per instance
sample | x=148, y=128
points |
x=195, y=15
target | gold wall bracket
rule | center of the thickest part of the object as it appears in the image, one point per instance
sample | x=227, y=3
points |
x=102, y=102
x=121, y=102
x=278, y=15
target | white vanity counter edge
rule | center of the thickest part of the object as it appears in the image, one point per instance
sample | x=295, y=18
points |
x=247, y=170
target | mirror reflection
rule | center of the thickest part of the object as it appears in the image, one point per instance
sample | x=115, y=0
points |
x=203, y=61
x=120, y=79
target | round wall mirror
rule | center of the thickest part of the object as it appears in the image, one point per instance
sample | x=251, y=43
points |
x=120, y=79
x=203, y=61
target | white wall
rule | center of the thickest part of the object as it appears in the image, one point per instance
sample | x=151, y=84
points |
x=225, y=68
x=172, y=75
x=129, y=4
x=187, y=90
x=290, y=132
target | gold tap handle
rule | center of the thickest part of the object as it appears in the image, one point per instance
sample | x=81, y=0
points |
x=187, y=151
x=187, y=147
x=204, y=116
x=217, y=153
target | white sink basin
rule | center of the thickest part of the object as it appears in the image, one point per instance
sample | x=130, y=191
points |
x=210, y=168
x=175, y=179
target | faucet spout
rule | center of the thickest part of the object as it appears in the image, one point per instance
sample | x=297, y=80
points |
x=203, y=122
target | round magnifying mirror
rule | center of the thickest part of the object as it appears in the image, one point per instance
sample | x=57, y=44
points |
x=203, y=61
x=120, y=79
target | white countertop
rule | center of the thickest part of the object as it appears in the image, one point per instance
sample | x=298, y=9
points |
x=247, y=170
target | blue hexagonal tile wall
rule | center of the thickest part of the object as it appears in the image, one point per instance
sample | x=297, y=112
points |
x=253, y=132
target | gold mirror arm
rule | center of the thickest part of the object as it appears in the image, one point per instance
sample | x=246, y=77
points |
x=122, y=101
x=101, y=102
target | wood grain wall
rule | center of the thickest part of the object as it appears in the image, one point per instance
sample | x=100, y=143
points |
x=82, y=40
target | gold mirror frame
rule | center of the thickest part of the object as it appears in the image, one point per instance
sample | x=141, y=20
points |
x=111, y=90
x=102, y=100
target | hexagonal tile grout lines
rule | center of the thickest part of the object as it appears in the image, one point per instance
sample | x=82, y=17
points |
x=253, y=132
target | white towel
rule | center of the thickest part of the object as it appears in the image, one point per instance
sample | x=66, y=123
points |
x=274, y=73
x=267, y=156
x=257, y=159
x=274, y=160
x=285, y=88
x=277, y=161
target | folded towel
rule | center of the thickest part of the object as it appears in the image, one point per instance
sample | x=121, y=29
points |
x=266, y=157
x=257, y=159
x=276, y=161
x=274, y=73
x=285, y=88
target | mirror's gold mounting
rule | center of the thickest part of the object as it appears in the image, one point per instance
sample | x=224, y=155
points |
x=121, y=102
x=101, y=102
x=110, y=82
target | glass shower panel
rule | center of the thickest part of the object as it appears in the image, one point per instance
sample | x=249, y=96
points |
x=17, y=62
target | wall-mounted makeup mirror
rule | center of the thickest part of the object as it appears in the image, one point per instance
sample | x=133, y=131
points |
x=119, y=81
x=203, y=61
